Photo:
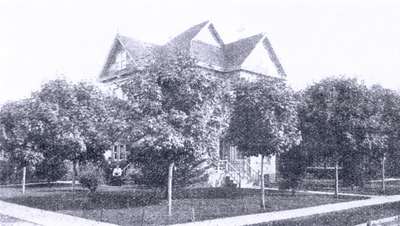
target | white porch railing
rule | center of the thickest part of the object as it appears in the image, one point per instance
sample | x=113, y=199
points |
x=238, y=170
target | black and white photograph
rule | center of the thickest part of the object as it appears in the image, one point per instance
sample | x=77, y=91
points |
x=192, y=113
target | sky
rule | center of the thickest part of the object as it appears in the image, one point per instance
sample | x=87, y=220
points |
x=46, y=39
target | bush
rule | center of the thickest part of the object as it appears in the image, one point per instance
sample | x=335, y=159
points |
x=51, y=170
x=152, y=169
x=292, y=166
x=91, y=177
x=7, y=174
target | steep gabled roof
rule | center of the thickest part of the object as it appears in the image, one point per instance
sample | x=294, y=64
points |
x=203, y=42
x=236, y=52
x=274, y=57
x=182, y=41
x=139, y=52
x=137, y=48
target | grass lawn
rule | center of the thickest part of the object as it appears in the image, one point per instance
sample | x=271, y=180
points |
x=129, y=206
x=349, y=217
x=392, y=187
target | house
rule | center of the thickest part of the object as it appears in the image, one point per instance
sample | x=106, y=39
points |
x=247, y=58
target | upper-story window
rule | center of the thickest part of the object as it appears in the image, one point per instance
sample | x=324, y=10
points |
x=121, y=61
x=119, y=152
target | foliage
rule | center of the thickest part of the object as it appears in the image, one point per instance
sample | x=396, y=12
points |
x=78, y=133
x=264, y=120
x=51, y=170
x=292, y=167
x=91, y=176
x=333, y=117
x=7, y=173
x=153, y=173
x=382, y=131
x=353, y=170
x=175, y=114
x=23, y=126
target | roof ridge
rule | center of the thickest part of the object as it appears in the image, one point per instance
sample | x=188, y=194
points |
x=135, y=40
x=191, y=31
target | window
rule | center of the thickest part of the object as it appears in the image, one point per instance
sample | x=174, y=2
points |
x=115, y=152
x=120, y=60
x=119, y=152
x=122, y=152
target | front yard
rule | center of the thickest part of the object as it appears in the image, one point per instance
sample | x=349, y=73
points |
x=370, y=188
x=131, y=206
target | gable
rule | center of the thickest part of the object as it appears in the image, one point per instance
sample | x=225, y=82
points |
x=259, y=61
x=126, y=55
x=253, y=55
x=207, y=47
x=209, y=35
x=118, y=60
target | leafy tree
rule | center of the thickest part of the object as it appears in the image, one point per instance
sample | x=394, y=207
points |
x=264, y=120
x=79, y=131
x=382, y=130
x=333, y=120
x=175, y=117
x=23, y=126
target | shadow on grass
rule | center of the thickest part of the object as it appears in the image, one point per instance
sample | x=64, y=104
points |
x=237, y=193
x=65, y=200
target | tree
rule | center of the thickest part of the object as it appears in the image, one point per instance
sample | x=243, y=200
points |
x=79, y=131
x=382, y=133
x=23, y=126
x=175, y=118
x=333, y=120
x=264, y=120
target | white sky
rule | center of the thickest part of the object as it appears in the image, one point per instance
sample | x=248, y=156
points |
x=46, y=39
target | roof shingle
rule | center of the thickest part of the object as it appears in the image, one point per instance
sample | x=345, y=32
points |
x=226, y=57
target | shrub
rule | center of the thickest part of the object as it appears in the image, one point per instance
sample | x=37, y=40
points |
x=152, y=170
x=7, y=174
x=91, y=177
x=51, y=170
x=293, y=165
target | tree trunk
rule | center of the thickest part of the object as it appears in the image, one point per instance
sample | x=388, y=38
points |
x=23, y=179
x=337, y=179
x=383, y=173
x=170, y=175
x=262, y=183
x=74, y=173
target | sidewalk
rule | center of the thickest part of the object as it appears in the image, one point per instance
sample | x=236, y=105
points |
x=44, y=217
x=9, y=221
x=295, y=213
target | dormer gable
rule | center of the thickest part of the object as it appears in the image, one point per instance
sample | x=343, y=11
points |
x=209, y=35
x=117, y=61
x=252, y=55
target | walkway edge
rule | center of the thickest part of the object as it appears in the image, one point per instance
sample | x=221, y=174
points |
x=44, y=217
x=294, y=213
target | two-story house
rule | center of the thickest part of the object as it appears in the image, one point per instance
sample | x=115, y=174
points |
x=246, y=58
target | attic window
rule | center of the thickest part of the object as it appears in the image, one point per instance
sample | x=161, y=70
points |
x=121, y=60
